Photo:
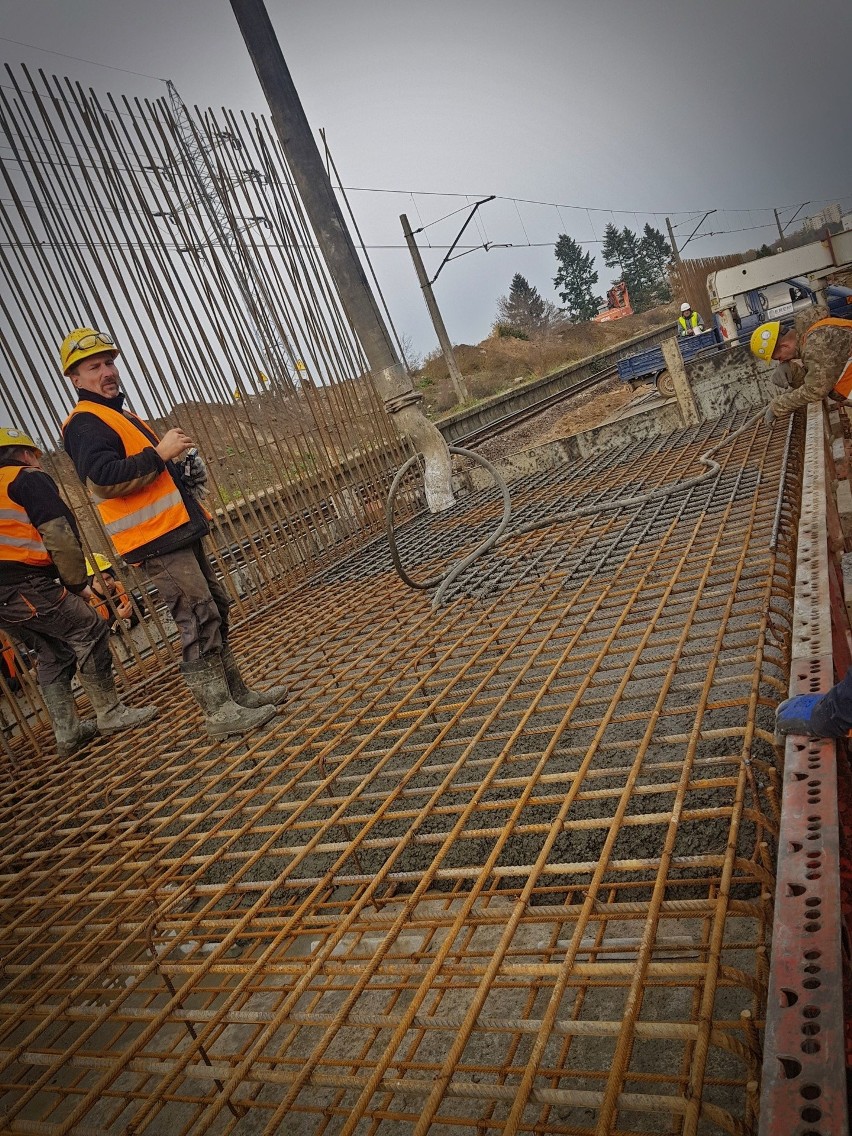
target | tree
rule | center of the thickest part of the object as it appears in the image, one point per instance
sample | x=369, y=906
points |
x=657, y=255
x=575, y=278
x=643, y=263
x=525, y=310
x=612, y=248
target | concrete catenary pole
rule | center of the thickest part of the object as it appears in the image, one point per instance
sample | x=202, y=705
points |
x=456, y=377
x=673, y=242
x=781, y=241
x=291, y=125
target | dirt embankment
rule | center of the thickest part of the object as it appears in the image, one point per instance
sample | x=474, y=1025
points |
x=500, y=363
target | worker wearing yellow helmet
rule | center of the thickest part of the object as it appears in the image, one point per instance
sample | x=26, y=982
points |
x=44, y=589
x=110, y=599
x=823, y=348
x=146, y=489
x=83, y=342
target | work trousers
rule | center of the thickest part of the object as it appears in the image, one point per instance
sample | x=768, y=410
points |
x=62, y=630
x=832, y=716
x=197, y=601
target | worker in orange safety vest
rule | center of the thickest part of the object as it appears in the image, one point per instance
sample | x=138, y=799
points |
x=819, y=349
x=107, y=587
x=44, y=591
x=146, y=491
x=819, y=346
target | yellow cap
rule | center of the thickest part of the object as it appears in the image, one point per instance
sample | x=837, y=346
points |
x=764, y=338
x=102, y=562
x=83, y=342
x=10, y=436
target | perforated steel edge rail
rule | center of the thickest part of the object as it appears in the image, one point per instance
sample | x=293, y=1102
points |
x=804, y=1084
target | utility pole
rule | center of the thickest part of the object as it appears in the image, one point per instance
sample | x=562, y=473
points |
x=456, y=377
x=291, y=125
x=780, y=230
x=673, y=242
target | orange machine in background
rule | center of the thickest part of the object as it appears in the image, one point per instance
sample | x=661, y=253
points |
x=617, y=304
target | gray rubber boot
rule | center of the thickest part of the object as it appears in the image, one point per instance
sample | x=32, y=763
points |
x=112, y=714
x=71, y=733
x=206, y=680
x=243, y=695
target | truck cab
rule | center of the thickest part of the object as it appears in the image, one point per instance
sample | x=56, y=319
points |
x=783, y=300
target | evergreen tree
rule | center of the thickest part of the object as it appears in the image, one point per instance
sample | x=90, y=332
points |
x=612, y=248
x=575, y=278
x=657, y=253
x=642, y=263
x=525, y=310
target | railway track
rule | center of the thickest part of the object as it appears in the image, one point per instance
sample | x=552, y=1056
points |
x=518, y=417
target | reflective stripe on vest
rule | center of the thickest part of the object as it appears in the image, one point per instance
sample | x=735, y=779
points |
x=844, y=383
x=137, y=518
x=19, y=539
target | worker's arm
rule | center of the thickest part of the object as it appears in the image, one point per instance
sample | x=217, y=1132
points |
x=98, y=456
x=823, y=359
x=37, y=494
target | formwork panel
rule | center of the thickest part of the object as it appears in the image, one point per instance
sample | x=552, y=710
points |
x=506, y=866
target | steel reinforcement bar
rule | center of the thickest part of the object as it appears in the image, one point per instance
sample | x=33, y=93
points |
x=507, y=868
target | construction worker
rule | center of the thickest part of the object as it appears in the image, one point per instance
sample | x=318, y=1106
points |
x=690, y=322
x=38, y=543
x=155, y=521
x=104, y=583
x=821, y=348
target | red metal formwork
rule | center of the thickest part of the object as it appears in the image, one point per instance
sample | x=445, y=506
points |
x=804, y=1083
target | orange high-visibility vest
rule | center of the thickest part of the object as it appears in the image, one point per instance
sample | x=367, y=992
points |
x=137, y=518
x=119, y=598
x=19, y=539
x=844, y=384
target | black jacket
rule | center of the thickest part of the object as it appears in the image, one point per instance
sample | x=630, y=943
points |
x=102, y=465
x=37, y=494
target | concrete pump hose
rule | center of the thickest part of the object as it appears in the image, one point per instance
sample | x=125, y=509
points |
x=480, y=550
x=443, y=581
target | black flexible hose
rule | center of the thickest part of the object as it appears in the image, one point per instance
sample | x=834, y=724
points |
x=443, y=581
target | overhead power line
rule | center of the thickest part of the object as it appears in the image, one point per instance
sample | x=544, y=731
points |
x=79, y=59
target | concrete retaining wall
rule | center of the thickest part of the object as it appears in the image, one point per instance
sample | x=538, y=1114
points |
x=721, y=383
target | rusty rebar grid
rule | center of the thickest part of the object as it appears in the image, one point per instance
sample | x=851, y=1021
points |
x=504, y=869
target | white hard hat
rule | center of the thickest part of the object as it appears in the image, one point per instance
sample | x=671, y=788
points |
x=686, y=307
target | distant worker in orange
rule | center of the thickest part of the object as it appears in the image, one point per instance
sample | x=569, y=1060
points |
x=146, y=491
x=106, y=586
x=690, y=322
x=45, y=597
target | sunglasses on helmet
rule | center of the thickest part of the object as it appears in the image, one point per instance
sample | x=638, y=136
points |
x=98, y=338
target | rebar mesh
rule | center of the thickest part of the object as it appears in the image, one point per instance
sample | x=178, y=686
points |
x=503, y=868
x=181, y=234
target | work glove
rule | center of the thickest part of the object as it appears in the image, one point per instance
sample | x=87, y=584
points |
x=769, y=415
x=193, y=473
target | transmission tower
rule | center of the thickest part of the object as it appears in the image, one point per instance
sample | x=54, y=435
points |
x=276, y=352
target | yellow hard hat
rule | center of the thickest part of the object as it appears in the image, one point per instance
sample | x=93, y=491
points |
x=83, y=342
x=10, y=436
x=764, y=338
x=102, y=563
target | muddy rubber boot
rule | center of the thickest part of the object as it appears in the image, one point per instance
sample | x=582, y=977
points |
x=71, y=732
x=112, y=714
x=243, y=695
x=206, y=680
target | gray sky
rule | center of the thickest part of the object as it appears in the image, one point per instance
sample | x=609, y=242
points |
x=641, y=106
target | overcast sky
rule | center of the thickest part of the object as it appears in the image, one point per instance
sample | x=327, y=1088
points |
x=639, y=106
